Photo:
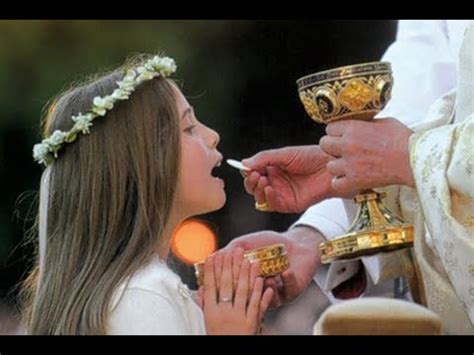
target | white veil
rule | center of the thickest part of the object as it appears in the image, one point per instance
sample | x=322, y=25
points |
x=43, y=217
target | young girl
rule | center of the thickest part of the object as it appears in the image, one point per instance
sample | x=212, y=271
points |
x=126, y=162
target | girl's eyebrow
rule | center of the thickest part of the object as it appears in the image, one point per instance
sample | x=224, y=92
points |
x=188, y=111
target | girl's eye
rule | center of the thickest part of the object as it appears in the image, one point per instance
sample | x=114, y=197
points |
x=189, y=129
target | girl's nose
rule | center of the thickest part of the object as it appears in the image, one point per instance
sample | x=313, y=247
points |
x=214, y=138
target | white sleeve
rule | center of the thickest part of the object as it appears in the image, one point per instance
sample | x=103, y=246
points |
x=143, y=312
x=423, y=66
x=328, y=217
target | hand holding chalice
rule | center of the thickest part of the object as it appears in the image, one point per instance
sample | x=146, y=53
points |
x=356, y=92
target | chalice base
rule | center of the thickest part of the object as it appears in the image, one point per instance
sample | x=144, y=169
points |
x=375, y=230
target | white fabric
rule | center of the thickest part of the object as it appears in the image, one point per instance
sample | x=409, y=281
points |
x=442, y=161
x=424, y=63
x=154, y=301
x=378, y=316
x=424, y=59
x=43, y=218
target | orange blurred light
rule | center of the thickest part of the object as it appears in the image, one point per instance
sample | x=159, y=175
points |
x=193, y=241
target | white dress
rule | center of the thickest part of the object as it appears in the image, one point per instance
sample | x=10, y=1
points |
x=154, y=301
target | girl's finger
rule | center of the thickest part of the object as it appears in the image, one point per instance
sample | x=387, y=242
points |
x=210, y=292
x=237, y=258
x=276, y=300
x=254, y=271
x=265, y=302
x=242, y=291
x=254, y=304
x=218, y=262
x=226, y=290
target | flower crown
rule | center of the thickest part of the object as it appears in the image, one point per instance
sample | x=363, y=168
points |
x=46, y=151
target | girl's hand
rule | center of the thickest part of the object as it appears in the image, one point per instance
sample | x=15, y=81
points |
x=232, y=297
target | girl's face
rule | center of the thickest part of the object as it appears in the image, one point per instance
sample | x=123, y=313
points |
x=198, y=191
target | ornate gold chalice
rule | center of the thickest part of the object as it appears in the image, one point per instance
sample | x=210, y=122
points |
x=356, y=92
x=273, y=261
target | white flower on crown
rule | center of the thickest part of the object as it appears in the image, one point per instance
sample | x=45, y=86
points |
x=56, y=139
x=127, y=84
x=154, y=67
x=146, y=74
x=102, y=104
x=167, y=66
x=120, y=94
x=40, y=152
x=130, y=76
x=83, y=123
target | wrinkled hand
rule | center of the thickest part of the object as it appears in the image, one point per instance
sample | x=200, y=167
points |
x=289, y=179
x=302, y=246
x=369, y=154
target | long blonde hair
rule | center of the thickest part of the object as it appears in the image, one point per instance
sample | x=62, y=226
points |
x=103, y=204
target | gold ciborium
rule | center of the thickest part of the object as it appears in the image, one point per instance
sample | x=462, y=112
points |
x=273, y=261
x=356, y=92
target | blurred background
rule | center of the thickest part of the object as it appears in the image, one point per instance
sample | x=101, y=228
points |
x=239, y=75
